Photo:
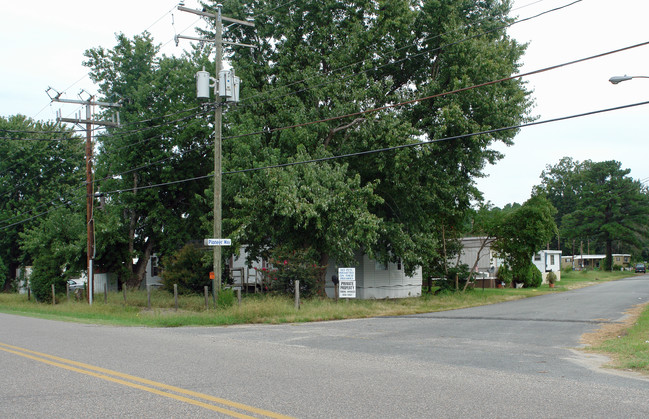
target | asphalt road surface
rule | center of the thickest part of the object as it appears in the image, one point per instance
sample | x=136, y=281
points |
x=510, y=360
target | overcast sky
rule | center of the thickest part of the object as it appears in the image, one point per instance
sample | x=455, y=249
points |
x=42, y=44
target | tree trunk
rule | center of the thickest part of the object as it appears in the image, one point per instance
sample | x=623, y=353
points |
x=324, y=262
x=608, y=261
x=477, y=259
x=139, y=269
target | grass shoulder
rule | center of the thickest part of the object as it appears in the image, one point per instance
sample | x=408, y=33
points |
x=135, y=310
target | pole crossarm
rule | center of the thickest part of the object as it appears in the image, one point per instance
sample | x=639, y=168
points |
x=87, y=102
x=214, y=16
x=85, y=121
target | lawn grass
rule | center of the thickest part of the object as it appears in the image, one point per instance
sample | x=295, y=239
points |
x=629, y=350
x=257, y=308
x=133, y=309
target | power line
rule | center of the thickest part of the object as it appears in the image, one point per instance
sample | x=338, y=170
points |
x=413, y=101
x=362, y=153
x=402, y=59
x=428, y=142
x=386, y=149
x=409, y=102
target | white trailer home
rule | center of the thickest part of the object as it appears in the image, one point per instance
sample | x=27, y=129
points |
x=374, y=280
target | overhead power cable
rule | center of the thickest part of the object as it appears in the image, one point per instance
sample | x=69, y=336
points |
x=410, y=57
x=386, y=149
x=402, y=103
x=421, y=99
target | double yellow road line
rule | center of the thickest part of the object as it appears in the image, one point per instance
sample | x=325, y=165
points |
x=227, y=407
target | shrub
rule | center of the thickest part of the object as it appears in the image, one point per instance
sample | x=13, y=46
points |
x=188, y=268
x=504, y=274
x=462, y=272
x=552, y=277
x=536, y=277
x=529, y=275
x=46, y=272
x=291, y=265
x=225, y=298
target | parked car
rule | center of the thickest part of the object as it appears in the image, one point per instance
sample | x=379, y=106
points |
x=640, y=268
x=76, y=284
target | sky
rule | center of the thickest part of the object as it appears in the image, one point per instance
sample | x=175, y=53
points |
x=42, y=44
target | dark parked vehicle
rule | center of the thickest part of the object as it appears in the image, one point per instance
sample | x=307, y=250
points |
x=640, y=268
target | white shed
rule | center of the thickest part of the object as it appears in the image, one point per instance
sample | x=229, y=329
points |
x=548, y=261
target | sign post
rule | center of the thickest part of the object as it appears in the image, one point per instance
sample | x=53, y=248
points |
x=216, y=281
x=347, y=282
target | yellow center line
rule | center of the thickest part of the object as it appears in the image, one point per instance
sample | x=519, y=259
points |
x=99, y=372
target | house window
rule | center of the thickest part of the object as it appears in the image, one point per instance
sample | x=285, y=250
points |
x=551, y=259
x=155, y=269
x=380, y=266
x=537, y=256
x=617, y=258
x=399, y=264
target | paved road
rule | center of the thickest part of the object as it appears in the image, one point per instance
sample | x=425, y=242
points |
x=515, y=359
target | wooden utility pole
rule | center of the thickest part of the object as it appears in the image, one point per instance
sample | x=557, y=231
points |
x=218, y=114
x=89, y=122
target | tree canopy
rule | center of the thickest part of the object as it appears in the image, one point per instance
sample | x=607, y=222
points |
x=357, y=88
x=600, y=203
x=41, y=171
x=163, y=139
x=322, y=61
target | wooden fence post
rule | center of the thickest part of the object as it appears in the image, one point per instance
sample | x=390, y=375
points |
x=176, y=296
x=206, y=292
x=297, y=294
x=53, y=295
x=148, y=296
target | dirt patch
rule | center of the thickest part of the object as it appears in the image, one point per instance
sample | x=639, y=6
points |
x=613, y=330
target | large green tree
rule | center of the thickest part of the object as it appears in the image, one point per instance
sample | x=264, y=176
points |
x=317, y=60
x=561, y=185
x=523, y=232
x=41, y=169
x=164, y=138
x=611, y=207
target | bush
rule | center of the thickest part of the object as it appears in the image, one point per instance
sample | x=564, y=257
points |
x=529, y=275
x=46, y=272
x=504, y=275
x=552, y=277
x=536, y=277
x=462, y=272
x=189, y=268
x=225, y=298
x=291, y=265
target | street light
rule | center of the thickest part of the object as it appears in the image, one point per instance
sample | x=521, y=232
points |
x=619, y=79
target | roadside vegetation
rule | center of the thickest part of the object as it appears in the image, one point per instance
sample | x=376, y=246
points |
x=134, y=309
x=626, y=344
x=629, y=347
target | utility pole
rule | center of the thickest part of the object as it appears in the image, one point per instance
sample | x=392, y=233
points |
x=90, y=222
x=222, y=90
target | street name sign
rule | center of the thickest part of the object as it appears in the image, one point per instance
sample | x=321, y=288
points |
x=218, y=242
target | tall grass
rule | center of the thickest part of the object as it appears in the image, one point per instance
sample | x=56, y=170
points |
x=258, y=308
x=630, y=349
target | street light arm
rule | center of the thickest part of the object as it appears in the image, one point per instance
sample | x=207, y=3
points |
x=619, y=79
